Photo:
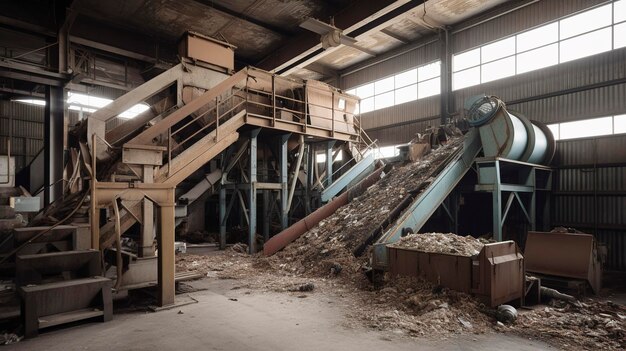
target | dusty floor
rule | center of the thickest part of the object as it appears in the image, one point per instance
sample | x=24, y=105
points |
x=257, y=320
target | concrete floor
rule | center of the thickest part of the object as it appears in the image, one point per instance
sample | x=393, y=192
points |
x=256, y=321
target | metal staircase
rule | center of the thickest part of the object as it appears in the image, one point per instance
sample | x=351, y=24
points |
x=137, y=166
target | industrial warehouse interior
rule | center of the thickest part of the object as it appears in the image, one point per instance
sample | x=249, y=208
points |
x=313, y=175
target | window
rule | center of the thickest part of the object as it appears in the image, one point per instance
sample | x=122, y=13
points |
x=554, y=128
x=619, y=11
x=406, y=94
x=538, y=58
x=384, y=152
x=587, y=33
x=89, y=104
x=416, y=83
x=366, y=105
x=589, y=127
x=429, y=71
x=37, y=102
x=585, y=45
x=538, y=37
x=619, y=36
x=466, y=78
x=498, y=69
x=428, y=88
x=320, y=157
x=465, y=60
x=366, y=90
x=383, y=100
x=341, y=104
x=586, y=128
x=497, y=50
x=619, y=124
x=585, y=22
x=383, y=85
x=406, y=78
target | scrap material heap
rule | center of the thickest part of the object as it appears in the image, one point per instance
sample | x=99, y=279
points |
x=442, y=243
x=336, y=238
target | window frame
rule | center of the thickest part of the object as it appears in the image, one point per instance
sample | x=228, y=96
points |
x=558, y=135
x=613, y=23
x=396, y=88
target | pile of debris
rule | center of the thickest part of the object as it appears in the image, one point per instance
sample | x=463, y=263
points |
x=414, y=307
x=333, y=241
x=593, y=325
x=441, y=243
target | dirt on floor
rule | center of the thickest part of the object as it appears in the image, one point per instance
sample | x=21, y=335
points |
x=418, y=308
x=322, y=261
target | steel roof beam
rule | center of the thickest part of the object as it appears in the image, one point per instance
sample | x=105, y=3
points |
x=358, y=18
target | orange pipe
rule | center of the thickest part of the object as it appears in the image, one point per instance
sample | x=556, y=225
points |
x=287, y=236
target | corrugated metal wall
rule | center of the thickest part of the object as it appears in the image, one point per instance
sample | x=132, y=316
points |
x=590, y=177
x=590, y=192
x=411, y=59
x=27, y=130
x=409, y=112
x=412, y=116
x=574, y=75
x=402, y=133
x=524, y=88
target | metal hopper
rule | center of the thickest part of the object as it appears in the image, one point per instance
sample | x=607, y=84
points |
x=570, y=255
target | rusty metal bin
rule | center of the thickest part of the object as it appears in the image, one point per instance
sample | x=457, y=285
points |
x=569, y=255
x=495, y=275
x=499, y=274
x=451, y=271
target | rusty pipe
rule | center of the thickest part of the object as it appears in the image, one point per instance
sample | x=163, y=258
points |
x=285, y=237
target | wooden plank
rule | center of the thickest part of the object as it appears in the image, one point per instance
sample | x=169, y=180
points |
x=166, y=259
x=138, y=94
x=63, y=284
x=68, y=317
x=145, y=147
x=146, y=136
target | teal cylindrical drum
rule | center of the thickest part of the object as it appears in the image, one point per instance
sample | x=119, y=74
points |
x=509, y=134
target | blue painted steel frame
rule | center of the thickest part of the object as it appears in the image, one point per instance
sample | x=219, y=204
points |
x=337, y=186
x=427, y=203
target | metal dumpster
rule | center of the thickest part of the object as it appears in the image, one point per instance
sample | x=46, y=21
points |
x=495, y=275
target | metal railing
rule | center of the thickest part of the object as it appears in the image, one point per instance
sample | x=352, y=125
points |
x=271, y=104
x=281, y=102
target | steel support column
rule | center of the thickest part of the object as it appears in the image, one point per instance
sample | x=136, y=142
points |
x=53, y=144
x=496, y=197
x=329, y=162
x=252, y=192
x=166, y=261
x=266, y=214
x=284, y=182
x=310, y=163
x=222, y=205
x=147, y=222
x=446, y=76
